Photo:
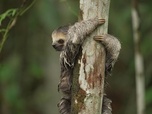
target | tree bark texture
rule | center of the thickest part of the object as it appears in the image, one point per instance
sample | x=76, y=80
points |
x=139, y=65
x=89, y=72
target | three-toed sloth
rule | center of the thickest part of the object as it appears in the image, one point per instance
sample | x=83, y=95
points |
x=68, y=40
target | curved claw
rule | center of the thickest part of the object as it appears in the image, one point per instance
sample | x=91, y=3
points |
x=101, y=21
x=99, y=38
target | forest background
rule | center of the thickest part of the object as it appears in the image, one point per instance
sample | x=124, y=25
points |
x=29, y=66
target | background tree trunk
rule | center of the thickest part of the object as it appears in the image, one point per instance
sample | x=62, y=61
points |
x=88, y=79
x=139, y=65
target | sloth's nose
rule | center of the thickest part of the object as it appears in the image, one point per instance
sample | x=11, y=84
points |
x=54, y=45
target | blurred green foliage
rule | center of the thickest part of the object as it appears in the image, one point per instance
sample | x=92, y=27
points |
x=29, y=67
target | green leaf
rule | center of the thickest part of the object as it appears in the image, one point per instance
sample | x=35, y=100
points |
x=8, y=13
x=13, y=12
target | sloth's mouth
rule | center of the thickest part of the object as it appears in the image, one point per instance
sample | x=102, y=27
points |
x=58, y=47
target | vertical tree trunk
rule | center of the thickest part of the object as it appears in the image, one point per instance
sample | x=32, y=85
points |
x=88, y=78
x=139, y=66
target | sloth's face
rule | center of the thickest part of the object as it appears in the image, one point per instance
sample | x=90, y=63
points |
x=58, y=40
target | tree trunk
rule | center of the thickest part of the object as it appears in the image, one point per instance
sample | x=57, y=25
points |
x=139, y=66
x=89, y=72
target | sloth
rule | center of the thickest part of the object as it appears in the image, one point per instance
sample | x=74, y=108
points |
x=68, y=40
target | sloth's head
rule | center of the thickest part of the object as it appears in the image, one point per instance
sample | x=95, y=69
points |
x=59, y=38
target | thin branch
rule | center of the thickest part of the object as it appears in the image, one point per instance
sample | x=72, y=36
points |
x=9, y=26
x=139, y=64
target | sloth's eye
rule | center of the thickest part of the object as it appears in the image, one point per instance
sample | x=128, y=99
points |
x=60, y=41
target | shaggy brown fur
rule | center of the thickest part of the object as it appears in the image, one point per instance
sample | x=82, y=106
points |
x=68, y=40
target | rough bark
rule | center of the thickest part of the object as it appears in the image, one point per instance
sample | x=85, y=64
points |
x=139, y=65
x=89, y=71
